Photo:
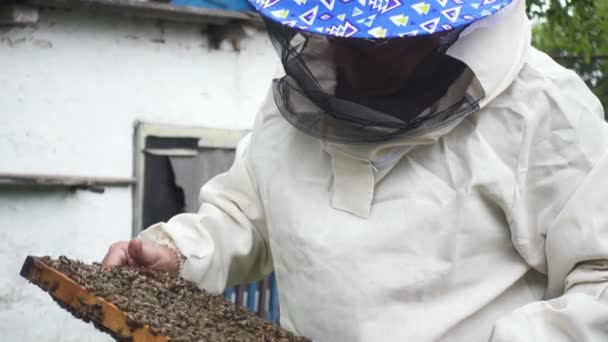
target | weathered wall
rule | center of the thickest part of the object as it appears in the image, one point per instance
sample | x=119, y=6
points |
x=70, y=91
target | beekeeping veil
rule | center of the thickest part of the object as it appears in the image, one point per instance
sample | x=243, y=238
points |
x=363, y=71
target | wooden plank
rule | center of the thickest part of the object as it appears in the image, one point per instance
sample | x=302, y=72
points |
x=95, y=184
x=80, y=301
x=17, y=14
x=154, y=10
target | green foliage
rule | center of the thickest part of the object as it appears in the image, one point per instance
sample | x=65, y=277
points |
x=575, y=33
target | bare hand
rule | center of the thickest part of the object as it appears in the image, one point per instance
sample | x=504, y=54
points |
x=142, y=253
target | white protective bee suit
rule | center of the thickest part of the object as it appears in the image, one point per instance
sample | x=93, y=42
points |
x=492, y=229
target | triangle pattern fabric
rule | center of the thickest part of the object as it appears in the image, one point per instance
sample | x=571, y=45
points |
x=452, y=13
x=384, y=6
x=378, y=32
x=400, y=20
x=282, y=13
x=421, y=8
x=266, y=3
x=377, y=18
x=367, y=21
x=431, y=25
x=413, y=33
x=328, y=3
x=309, y=16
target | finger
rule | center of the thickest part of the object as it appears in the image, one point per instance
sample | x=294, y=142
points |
x=132, y=263
x=151, y=255
x=116, y=256
x=143, y=253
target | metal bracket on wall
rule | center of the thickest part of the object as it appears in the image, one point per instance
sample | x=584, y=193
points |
x=93, y=184
x=18, y=14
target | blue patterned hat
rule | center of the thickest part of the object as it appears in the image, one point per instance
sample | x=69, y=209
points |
x=377, y=18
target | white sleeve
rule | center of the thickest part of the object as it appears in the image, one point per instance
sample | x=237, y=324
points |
x=225, y=243
x=576, y=308
x=559, y=225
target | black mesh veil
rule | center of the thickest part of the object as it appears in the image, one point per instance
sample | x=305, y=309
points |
x=361, y=91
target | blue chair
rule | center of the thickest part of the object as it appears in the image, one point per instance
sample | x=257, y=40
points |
x=261, y=297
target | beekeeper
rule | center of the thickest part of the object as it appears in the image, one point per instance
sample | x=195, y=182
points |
x=418, y=172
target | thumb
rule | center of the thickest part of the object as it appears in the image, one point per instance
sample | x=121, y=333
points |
x=150, y=255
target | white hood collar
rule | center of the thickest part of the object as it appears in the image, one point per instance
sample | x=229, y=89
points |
x=494, y=50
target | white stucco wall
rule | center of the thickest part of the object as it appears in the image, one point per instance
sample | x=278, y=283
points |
x=71, y=88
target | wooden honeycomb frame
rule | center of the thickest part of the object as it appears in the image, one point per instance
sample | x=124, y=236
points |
x=78, y=300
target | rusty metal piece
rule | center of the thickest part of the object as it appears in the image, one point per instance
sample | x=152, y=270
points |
x=78, y=300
